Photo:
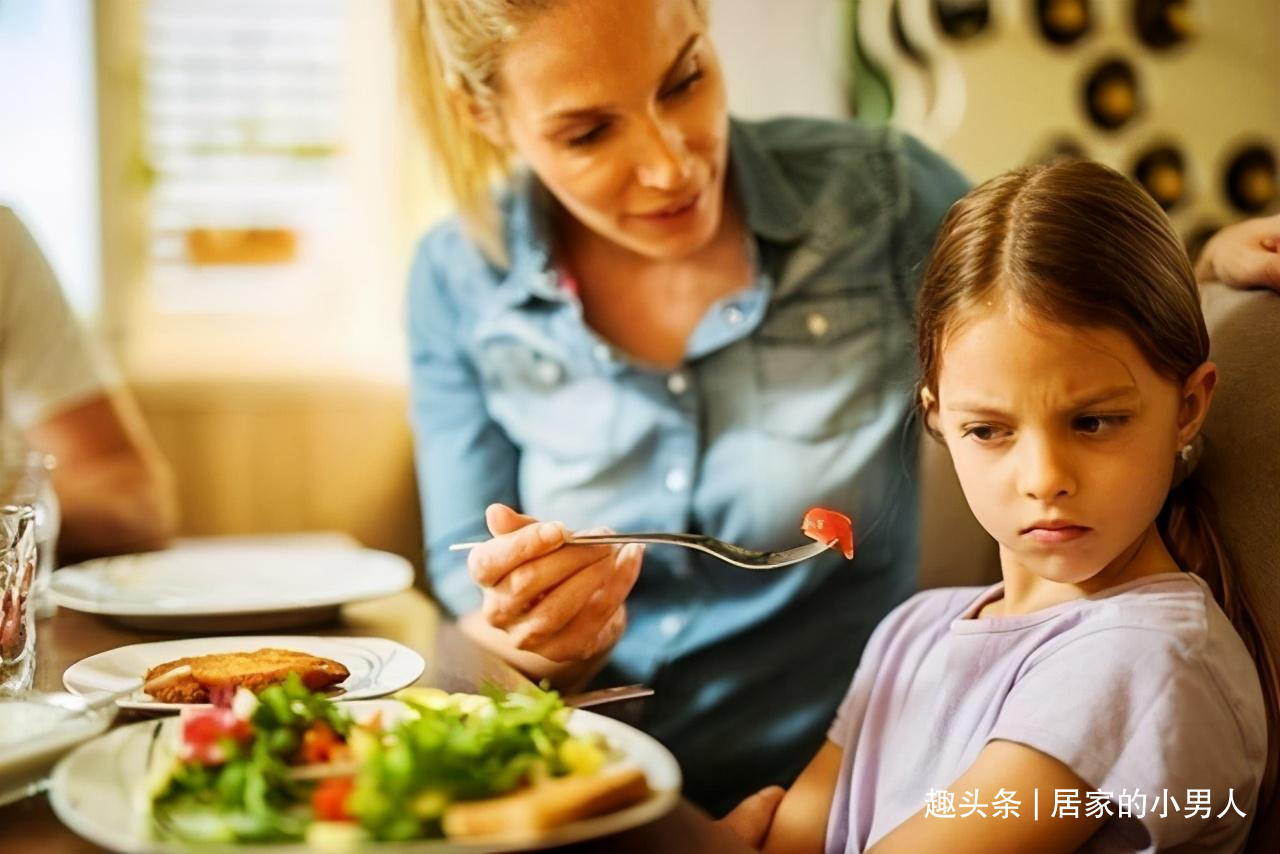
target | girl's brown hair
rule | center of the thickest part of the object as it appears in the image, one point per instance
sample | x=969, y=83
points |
x=1077, y=243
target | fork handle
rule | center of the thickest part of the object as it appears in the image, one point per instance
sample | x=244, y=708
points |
x=600, y=539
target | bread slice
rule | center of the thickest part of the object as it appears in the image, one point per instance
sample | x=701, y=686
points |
x=229, y=670
x=546, y=805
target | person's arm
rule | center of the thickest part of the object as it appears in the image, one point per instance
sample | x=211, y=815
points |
x=1243, y=255
x=551, y=611
x=1007, y=765
x=115, y=490
x=800, y=824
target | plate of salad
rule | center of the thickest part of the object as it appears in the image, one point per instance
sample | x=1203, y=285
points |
x=287, y=769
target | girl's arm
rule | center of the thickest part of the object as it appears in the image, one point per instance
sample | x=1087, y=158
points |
x=800, y=824
x=1015, y=768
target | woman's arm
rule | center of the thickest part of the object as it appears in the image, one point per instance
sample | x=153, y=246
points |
x=1030, y=775
x=552, y=611
x=800, y=824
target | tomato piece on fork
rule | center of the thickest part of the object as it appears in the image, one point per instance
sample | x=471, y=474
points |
x=828, y=526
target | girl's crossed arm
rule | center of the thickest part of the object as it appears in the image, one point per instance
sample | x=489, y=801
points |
x=801, y=821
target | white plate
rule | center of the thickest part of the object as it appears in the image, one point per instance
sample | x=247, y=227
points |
x=236, y=584
x=96, y=791
x=25, y=760
x=378, y=666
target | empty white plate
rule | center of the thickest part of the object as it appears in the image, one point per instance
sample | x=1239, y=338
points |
x=378, y=666
x=235, y=585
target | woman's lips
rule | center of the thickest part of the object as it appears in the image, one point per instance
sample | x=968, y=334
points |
x=1056, y=534
x=671, y=213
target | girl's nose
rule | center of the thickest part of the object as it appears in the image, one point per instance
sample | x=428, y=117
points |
x=1045, y=471
x=664, y=161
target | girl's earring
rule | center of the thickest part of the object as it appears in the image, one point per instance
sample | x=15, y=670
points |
x=1185, y=453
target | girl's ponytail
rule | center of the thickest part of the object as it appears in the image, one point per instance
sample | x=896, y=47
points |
x=438, y=85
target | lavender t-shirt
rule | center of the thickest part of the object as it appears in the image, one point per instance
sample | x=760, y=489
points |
x=1143, y=688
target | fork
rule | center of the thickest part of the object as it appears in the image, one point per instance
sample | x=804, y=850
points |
x=727, y=552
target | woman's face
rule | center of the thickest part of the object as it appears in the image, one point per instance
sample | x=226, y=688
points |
x=619, y=108
x=1064, y=439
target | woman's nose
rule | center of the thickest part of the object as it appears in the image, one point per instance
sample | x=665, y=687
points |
x=1045, y=470
x=663, y=162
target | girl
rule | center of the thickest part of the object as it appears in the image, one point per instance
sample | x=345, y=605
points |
x=1100, y=698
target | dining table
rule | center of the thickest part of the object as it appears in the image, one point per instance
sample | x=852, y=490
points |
x=453, y=663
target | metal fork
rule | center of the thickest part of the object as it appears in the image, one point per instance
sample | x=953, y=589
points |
x=727, y=552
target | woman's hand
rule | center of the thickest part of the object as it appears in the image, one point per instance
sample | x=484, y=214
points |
x=1243, y=255
x=563, y=602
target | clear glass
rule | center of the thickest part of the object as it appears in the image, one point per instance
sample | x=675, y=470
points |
x=17, y=617
x=29, y=482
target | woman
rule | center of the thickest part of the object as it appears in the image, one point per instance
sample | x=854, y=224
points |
x=671, y=321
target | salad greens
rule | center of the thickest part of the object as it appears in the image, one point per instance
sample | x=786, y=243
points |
x=237, y=776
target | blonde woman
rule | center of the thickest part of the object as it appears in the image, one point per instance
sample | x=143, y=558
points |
x=665, y=320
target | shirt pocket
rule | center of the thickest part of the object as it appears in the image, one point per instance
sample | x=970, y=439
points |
x=820, y=365
x=546, y=404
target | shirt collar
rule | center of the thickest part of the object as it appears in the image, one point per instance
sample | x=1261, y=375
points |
x=770, y=204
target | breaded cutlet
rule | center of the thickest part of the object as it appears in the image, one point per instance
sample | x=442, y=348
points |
x=253, y=670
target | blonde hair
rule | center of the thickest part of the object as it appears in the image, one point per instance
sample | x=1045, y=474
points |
x=450, y=52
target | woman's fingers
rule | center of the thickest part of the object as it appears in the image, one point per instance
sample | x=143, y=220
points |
x=524, y=585
x=568, y=620
x=490, y=561
x=602, y=618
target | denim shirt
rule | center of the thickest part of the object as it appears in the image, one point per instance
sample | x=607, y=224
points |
x=794, y=392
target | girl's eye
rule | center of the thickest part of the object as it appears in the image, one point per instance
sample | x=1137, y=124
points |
x=984, y=432
x=683, y=86
x=1095, y=425
x=593, y=135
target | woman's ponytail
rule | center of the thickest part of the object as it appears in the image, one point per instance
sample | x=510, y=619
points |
x=438, y=88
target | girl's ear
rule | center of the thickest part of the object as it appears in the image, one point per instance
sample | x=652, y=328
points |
x=929, y=406
x=1197, y=394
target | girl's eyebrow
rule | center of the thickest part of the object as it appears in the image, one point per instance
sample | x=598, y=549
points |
x=1106, y=395
x=587, y=112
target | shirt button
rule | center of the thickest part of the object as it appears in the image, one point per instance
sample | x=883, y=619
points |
x=677, y=383
x=733, y=315
x=677, y=480
x=549, y=372
x=670, y=625
x=817, y=324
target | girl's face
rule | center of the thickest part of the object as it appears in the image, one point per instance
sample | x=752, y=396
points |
x=619, y=108
x=1064, y=439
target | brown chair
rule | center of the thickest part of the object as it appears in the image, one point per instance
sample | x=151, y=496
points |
x=1241, y=470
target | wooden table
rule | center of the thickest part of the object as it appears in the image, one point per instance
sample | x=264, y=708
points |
x=453, y=663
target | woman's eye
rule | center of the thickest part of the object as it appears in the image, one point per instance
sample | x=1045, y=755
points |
x=983, y=432
x=1094, y=425
x=683, y=86
x=593, y=135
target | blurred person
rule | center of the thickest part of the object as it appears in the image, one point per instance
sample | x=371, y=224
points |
x=668, y=320
x=61, y=395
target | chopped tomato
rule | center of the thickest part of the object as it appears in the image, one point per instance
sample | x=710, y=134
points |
x=830, y=527
x=319, y=743
x=203, y=730
x=329, y=800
